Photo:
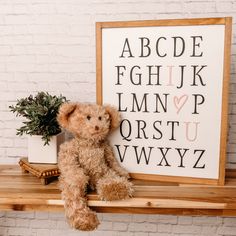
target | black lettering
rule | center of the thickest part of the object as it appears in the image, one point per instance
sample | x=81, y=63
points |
x=156, y=74
x=196, y=75
x=172, y=128
x=181, y=155
x=180, y=53
x=195, y=45
x=142, y=153
x=122, y=157
x=197, y=103
x=146, y=45
x=159, y=101
x=157, y=47
x=119, y=73
x=129, y=129
x=136, y=104
x=126, y=48
x=141, y=126
x=164, y=156
x=119, y=103
x=138, y=74
x=182, y=77
x=160, y=133
x=199, y=158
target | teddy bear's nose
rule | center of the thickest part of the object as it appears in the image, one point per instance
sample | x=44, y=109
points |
x=96, y=128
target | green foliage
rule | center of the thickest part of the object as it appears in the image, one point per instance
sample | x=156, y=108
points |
x=41, y=113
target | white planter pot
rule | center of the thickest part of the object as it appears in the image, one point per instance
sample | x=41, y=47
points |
x=45, y=154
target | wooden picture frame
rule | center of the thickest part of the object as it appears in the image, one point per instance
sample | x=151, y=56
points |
x=129, y=53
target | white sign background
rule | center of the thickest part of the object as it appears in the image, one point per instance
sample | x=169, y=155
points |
x=150, y=131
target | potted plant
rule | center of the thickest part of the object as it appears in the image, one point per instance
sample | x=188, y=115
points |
x=45, y=135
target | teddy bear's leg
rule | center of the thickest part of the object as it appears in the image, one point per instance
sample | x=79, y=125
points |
x=114, y=187
x=78, y=214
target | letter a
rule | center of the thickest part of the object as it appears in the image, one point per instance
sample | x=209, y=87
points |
x=126, y=48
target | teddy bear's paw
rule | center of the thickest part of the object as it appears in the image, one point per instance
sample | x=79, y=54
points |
x=123, y=173
x=84, y=220
x=115, y=189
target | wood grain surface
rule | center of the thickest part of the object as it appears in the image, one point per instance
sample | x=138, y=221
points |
x=23, y=192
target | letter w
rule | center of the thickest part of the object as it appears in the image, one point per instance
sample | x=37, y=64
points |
x=142, y=153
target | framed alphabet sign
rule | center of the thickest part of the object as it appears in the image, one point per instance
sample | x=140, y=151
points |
x=169, y=80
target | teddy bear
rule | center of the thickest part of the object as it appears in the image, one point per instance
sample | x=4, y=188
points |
x=87, y=161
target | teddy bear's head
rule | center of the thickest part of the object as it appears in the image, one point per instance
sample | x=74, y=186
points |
x=88, y=121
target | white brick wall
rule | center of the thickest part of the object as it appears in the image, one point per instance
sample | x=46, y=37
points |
x=50, y=224
x=50, y=45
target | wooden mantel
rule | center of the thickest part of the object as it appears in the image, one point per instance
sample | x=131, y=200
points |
x=24, y=192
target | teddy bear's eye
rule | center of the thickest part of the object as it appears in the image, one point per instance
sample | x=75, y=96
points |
x=88, y=117
x=100, y=118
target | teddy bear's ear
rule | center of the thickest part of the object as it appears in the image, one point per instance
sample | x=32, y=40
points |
x=65, y=111
x=114, y=116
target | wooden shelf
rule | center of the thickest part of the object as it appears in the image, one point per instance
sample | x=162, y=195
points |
x=24, y=192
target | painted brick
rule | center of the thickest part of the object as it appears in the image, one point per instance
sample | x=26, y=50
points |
x=224, y=6
x=41, y=215
x=202, y=220
x=226, y=230
x=187, y=229
x=140, y=218
x=164, y=234
x=22, y=222
x=5, y=50
x=124, y=233
x=142, y=227
x=20, y=9
x=153, y=218
x=57, y=232
x=174, y=7
x=9, y=222
x=16, y=152
x=42, y=9
x=164, y=228
x=142, y=234
x=20, y=30
x=200, y=7
x=168, y=218
x=5, y=8
x=17, y=19
x=2, y=214
x=19, y=231
x=42, y=232
x=23, y=215
x=56, y=215
x=117, y=217
x=229, y=221
x=41, y=224
x=209, y=230
x=3, y=230
x=185, y=220
x=62, y=224
x=99, y=215
x=19, y=141
x=102, y=233
x=119, y=226
x=105, y=225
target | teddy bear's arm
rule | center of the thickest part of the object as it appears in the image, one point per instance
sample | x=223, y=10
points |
x=113, y=163
x=71, y=172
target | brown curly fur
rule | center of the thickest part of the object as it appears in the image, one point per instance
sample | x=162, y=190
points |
x=88, y=160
